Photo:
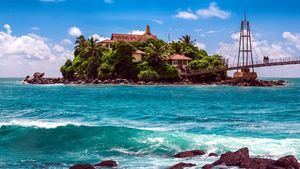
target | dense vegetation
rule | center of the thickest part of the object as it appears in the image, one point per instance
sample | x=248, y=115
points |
x=92, y=60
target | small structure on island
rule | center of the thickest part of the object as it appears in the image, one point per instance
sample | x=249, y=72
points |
x=138, y=55
x=115, y=37
x=179, y=61
x=245, y=66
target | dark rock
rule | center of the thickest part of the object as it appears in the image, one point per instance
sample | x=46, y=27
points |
x=189, y=154
x=288, y=162
x=96, y=81
x=213, y=154
x=207, y=166
x=38, y=75
x=182, y=165
x=106, y=81
x=239, y=158
x=141, y=83
x=108, y=163
x=260, y=163
x=150, y=83
x=82, y=166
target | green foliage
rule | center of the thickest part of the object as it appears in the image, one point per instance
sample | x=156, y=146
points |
x=148, y=75
x=169, y=72
x=105, y=71
x=92, y=60
x=67, y=70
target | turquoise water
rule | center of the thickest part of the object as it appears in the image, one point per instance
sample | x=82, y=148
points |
x=55, y=126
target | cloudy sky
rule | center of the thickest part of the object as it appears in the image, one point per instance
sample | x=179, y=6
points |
x=38, y=35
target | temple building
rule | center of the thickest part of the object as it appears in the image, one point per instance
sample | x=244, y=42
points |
x=137, y=55
x=129, y=37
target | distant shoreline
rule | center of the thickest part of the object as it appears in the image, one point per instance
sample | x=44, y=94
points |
x=38, y=79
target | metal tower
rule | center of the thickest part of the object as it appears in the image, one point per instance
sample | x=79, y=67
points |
x=245, y=56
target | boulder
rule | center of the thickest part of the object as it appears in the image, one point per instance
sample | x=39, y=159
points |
x=260, y=163
x=182, y=165
x=212, y=155
x=38, y=75
x=288, y=162
x=239, y=158
x=141, y=83
x=82, y=166
x=107, y=163
x=191, y=153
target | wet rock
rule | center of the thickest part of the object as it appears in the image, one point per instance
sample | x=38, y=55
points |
x=106, y=81
x=288, y=162
x=260, y=163
x=150, y=83
x=141, y=83
x=38, y=75
x=239, y=158
x=212, y=155
x=207, y=166
x=191, y=153
x=182, y=165
x=108, y=163
x=82, y=166
x=96, y=81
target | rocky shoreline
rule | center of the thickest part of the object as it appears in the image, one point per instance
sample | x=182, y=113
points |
x=239, y=158
x=38, y=78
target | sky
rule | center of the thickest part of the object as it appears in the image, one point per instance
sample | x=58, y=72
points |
x=39, y=35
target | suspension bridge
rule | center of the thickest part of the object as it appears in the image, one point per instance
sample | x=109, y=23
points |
x=245, y=58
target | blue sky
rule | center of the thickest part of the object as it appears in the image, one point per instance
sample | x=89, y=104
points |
x=36, y=34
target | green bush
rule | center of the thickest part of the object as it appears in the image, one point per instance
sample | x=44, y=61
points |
x=105, y=70
x=148, y=75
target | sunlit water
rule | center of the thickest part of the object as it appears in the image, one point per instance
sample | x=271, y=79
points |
x=55, y=126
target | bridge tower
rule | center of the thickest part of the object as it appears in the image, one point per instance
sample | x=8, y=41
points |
x=245, y=66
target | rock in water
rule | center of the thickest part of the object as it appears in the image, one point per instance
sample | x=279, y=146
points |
x=239, y=158
x=82, y=166
x=38, y=75
x=288, y=162
x=182, y=165
x=213, y=154
x=108, y=163
x=191, y=153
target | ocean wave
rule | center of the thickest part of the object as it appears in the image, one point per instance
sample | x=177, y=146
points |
x=77, y=136
x=42, y=123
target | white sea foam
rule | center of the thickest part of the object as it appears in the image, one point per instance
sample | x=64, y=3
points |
x=41, y=123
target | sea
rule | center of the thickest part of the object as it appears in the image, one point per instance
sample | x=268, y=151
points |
x=141, y=127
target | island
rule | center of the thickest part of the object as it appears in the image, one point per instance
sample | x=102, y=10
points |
x=142, y=60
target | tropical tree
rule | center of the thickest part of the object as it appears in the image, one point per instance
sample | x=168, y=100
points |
x=80, y=45
x=155, y=52
x=186, y=40
x=175, y=48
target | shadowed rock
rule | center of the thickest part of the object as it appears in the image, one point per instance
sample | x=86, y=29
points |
x=182, y=165
x=213, y=155
x=288, y=162
x=186, y=154
x=108, y=163
x=82, y=166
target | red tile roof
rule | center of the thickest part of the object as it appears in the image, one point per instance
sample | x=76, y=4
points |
x=178, y=57
x=132, y=37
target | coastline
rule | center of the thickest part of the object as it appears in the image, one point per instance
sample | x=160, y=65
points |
x=39, y=79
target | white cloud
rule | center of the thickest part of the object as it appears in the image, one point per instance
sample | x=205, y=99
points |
x=25, y=54
x=158, y=21
x=74, y=31
x=35, y=28
x=109, y=1
x=8, y=28
x=137, y=32
x=213, y=11
x=66, y=42
x=186, y=15
x=198, y=30
x=99, y=38
x=200, y=45
x=293, y=38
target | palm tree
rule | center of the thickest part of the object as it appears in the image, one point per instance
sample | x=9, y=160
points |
x=80, y=45
x=92, y=48
x=155, y=51
x=176, y=48
x=186, y=40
